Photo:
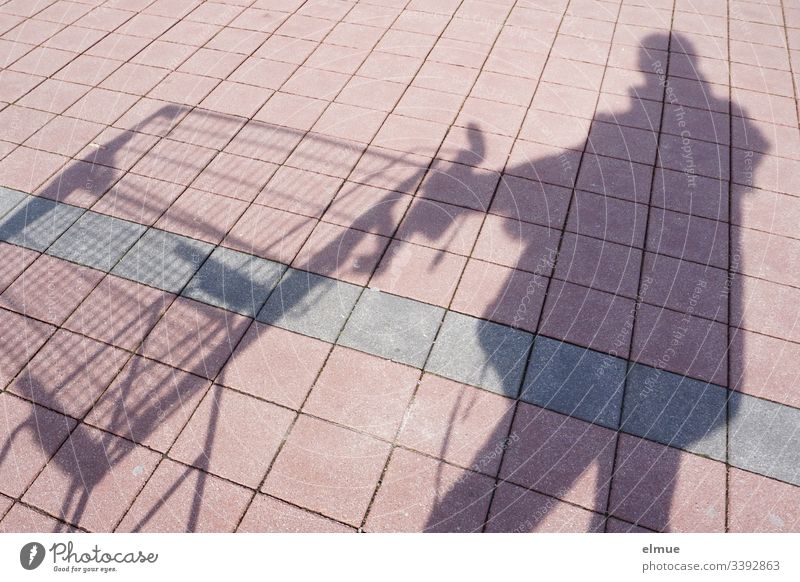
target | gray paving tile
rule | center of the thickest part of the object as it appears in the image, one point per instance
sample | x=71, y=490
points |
x=163, y=260
x=96, y=240
x=9, y=199
x=392, y=327
x=481, y=353
x=234, y=281
x=765, y=437
x=575, y=381
x=37, y=222
x=675, y=410
x=310, y=304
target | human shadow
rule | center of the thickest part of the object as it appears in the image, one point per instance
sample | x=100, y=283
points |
x=631, y=304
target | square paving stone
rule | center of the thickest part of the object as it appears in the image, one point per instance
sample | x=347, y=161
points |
x=764, y=438
x=310, y=304
x=267, y=514
x=576, y=381
x=9, y=199
x=234, y=281
x=93, y=479
x=181, y=499
x=97, y=240
x=37, y=222
x=480, y=353
x=163, y=260
x=675, y=410
x=392, y=327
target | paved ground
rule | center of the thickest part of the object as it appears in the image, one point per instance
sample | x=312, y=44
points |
x=399, y=265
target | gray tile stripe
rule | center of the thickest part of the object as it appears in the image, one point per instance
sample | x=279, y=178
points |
x=764, y=437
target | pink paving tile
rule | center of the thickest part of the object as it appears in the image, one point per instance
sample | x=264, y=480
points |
x=26, y=169
x=138, y=198
x=490, y=116
x=504, y=89
x=134, y=78
x=326, y=155
x=22, y=519
x=206, y=128
x=760, y=504
x=574, y=74
x=13, y=261
x=174, y=161
x=391, y=170
x=766, y=307
x=118, y=148
x=516, y=63
x=544, y=163
x=764, y=366
x=363, y=392
x=328, y=469
x=292, y=111
x=626, y=143
x=267, y=514
x=15, y=84
x=430, y=105
x=148, y=403
x=190, y=32
x=202, y=215
x=560, y=456
x=459, y=184
x=236, y=39
x=457, y=423
x=518, y=510
x=471, y=146
x=354, y=35
x=629, y=110
x=410, y=44
x=19, y=123
x=233, y=435
x=422, y=494
x=390, y=67
x=24, y=336
x=270, y=233
x=152, y=117
x=666, y=489
x=371, y=93
x=50, y=289
x=420, y=273
x=65, y=135
x=275, y=364
x=181, y=499
x=554, y=129
x=341, y=59
x=305, y=27
x=367, y=208
x=685, y=286
x=599, y=264
x=54, y=96
x=688, y=237
x=165, y=55
x=617, y=178
x=211, y=63
x=101, y=106
x=104, y=18
x=31, y=435
x=500, y=294
x=571, y=100
x=92, y=480
x=43, y=61
x=263, y=141
x=677, y=191
x=341, y=253
x=69, y=373
x=765, y=255
x=531, y=201
x=516, y=244
x=79, y=184
x=441, y=226
x=146, y=25
x=410, y=135
x=349, y=122
x=286, y=49
x=183, y=88
x=588, y=317
x=299, y=191
x=614, y=525
x=607, y=218
x=706, y=159
x=315, y=83
x=234, y=176
x=195, y=337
